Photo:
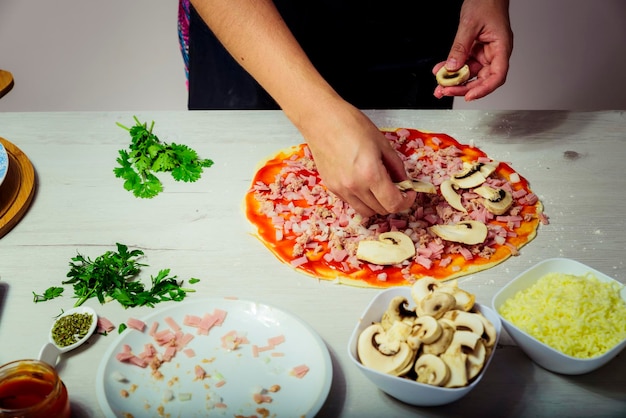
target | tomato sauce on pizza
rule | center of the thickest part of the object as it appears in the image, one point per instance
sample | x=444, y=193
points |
x=307, y=226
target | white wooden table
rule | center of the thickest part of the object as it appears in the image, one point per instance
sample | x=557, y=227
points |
x=575, y=162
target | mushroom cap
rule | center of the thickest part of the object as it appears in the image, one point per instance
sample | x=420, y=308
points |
x=472, y=346
x=473, y=174
x=398, y=310
x=394, y=363
x=464, y=299
x=423, y=287
x=447, y=188
x=436, y=304
x=426, y=330
x=465, y=321
x=431, y=370
x=489, y=335
x=496, y=201
x=466, y=232
x=463, y=341
x=391, y=248
x=447, y=78
x=476, y=360
x=440, y=345
x=416, y=185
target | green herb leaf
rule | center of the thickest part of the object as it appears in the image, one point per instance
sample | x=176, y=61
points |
x=48, y=294
x=113, y=276
x=193, y=280
x=147, y=155
x=121, y=328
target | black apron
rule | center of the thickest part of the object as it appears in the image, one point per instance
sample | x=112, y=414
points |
x=376, y=55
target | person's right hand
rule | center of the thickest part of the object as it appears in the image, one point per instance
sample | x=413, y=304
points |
x=356, y=161
x=353, y=157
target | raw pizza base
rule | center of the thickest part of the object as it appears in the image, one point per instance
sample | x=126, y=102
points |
x=277, y=208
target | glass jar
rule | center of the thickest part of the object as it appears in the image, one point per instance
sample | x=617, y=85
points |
x=32, y=389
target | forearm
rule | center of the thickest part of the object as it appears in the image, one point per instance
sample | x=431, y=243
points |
x=355, y=160
x=256, y=36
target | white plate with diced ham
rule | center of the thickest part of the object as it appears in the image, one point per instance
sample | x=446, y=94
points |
x=223, y=357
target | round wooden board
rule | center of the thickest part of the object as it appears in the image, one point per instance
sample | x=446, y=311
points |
x=6, y=82
x=17, y=189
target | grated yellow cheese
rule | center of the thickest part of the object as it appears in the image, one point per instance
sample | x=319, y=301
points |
x=580, y=316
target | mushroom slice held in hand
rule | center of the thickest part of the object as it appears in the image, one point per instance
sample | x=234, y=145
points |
x=377, y=352
x=390, y=248
x=447, y=78
x=416, y=185
x=466, y=232
x=497, y=201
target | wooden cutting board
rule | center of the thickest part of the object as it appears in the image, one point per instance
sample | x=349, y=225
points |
x=17, y=189
x=6, y=82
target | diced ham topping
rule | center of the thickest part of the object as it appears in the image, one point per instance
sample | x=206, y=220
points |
x=200, y=373
x=168, y=342
x=137, y=324
x=294, y=204
x=261, y=398
x=300, y=371
x=172, y=324
x=104, y=325
x=153, y=328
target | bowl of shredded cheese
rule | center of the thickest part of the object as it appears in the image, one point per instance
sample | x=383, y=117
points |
x=567, y=317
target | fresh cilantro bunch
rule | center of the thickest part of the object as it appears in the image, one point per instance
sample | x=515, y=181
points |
x=113, y=275
x=147, y=155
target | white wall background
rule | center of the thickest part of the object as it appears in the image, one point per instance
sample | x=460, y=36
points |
x=123, y=55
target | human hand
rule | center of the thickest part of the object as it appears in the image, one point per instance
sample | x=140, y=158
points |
x=356, y=161
x=484, y=41
x=353, y=157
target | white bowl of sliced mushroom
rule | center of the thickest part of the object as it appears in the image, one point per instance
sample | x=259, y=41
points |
x=425, y=345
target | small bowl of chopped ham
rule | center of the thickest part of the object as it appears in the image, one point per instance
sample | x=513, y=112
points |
x=566, y=316
x=425, y=345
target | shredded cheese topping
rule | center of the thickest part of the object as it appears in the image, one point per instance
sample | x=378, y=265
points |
x=580, y=316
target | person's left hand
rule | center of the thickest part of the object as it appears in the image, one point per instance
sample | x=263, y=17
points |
x=484, y=41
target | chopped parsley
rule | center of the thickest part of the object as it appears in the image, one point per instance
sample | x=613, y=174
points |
x=113, y=276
